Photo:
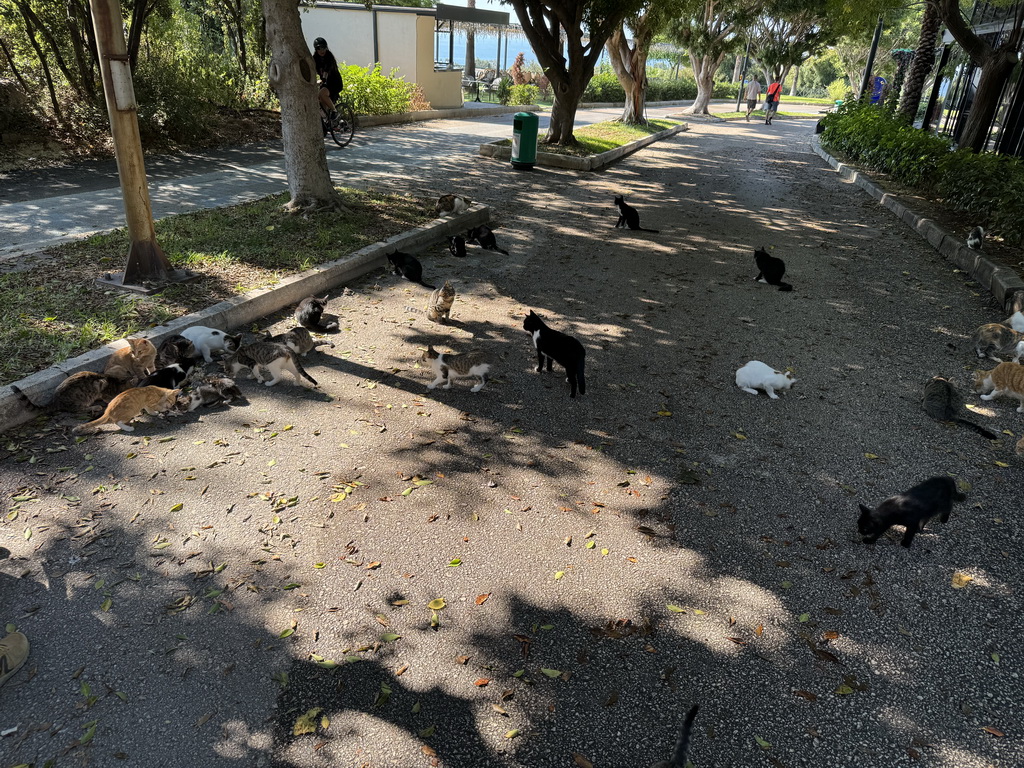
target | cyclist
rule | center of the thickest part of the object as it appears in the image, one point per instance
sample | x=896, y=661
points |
x=330, y=78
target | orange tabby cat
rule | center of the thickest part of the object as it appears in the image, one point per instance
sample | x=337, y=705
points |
x=133, y=362
x=1004, y=379
x=129, y=405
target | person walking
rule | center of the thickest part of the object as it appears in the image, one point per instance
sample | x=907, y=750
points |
x=771, y=101
x=330, y=78
x=753, y=92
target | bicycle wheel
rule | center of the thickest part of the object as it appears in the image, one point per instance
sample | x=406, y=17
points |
x=343, y=127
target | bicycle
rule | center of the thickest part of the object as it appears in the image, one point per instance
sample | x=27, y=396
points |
x=343, y=127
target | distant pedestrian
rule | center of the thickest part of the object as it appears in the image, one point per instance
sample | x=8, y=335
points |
x=771, y=101
x=753, y=92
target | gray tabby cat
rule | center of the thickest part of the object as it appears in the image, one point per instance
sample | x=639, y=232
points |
x=447, y=367
x=298, y=340
x=212, y=390
x=439, y=306
x=79, y=392
x=994, y=339
x=269, y=357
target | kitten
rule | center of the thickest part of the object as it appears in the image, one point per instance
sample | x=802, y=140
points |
x=457, y=245
x=976, y=239
x=771, y=269
x=683, y=744
x=1004, y=379
x=298, y=340
x=210, y=340
x=439, y=306
x=484, y=237
x=267, y=356
x=451, y=205
x=212, y=390
x=309, y=312
x=560, y=348
x=1016, y=321
x=131, y=363
x=993, y=339
x=409, y=267
x=78, y=392
x=449, y=367
x=629, y=216
x=756, y=375
x=174, y=350
x=129, y=405
x=943, y=403
x=168, y=377
x=912, y=508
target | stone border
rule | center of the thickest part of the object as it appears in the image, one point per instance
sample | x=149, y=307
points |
x=243, y=309
x=592, y=163
x=1004, y=284
x=458, y=113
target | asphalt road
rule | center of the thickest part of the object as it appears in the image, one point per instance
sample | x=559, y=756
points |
x=195, y=588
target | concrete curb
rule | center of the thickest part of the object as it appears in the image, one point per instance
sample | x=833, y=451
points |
x=1005, y=285
x=243, y=309
x=461, y=113
x=592, y=163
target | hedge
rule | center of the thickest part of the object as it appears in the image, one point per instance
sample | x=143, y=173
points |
x=989, y=187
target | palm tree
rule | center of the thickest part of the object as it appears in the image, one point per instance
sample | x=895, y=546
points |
x=924, y=58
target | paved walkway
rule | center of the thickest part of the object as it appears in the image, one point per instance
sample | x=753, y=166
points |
x=605, y=562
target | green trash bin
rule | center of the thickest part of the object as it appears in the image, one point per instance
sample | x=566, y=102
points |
x=524, y=140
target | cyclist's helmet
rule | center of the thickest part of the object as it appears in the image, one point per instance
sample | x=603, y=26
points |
x=320, y=44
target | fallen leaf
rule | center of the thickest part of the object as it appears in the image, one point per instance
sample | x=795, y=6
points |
x=559, y=575
x=961, y=580
x=844, y=690
x=481, y=599
x=675, y=608
x=581, y=761
x=512, y=734
x=481, y=682
x=762, y=743
x=551, y=672
x=455, y=561
x=306, y=723
x=806, y=695
x=993, y=731
x=436, y=604
x=389, y=637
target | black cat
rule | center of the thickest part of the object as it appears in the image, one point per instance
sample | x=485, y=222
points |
x=409, y=267
x=629, y=216
x=683, y=744
x=457, y=245
x=912, y=509
x=943, y=403
x=309, y=312
x=770, y=269
x=559, y=347
x=484, y=237
x=168, y=377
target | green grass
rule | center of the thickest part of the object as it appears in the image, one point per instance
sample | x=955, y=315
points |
x=600, y=137
x=758, y=114
x=59, y=311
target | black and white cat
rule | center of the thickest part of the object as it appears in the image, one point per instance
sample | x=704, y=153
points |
x=683, y=744
x=976, y=239
x=913, y=509
x=756, y=375
x=409, y=267
x=629, y=216
x=770, y=269
x=309, y=313
x=484, y=237
x=558, y=347
x=210, y=340
x=168, y=377
x=457, y=245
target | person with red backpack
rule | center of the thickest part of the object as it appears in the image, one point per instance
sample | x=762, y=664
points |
x=771, y=101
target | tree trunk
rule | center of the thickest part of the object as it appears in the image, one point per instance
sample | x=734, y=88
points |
x=563, y=114
x=704, y=68
x=924, y=59
x=995, y=71
x=796, y=79
x=293, y=77
x=630, y=66
x=470, y=48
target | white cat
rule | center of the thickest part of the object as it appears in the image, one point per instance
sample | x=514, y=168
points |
x=756, y=375
x=209, y=340
x=1016, y=321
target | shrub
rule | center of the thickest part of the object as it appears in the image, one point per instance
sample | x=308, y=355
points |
x=524, y=94
x=516, y=71
x=504, y=91
x=724, y=90
x=604, y=86
x=371, y=92
x=544, y=85
x=991, y=187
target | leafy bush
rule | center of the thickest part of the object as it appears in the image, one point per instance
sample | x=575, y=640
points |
x=371, y=92
x=524, y=94
x=504, y=90
x=991, y=187
x=517, y=71
x=724, y=90
x=605, y=86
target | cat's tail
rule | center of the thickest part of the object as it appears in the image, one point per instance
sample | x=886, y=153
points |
x=784, y=286
x=497, y=248
x=979, y=429
x=645, y=229
x=683, y=745
x=581, y=382
x=427, y=285
x=25, y=400
x=90, y=427
x=318, y=327
x=300, y=369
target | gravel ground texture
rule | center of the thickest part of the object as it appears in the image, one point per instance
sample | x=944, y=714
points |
x=205, y=589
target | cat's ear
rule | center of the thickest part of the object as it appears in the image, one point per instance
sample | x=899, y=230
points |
x=865, y=511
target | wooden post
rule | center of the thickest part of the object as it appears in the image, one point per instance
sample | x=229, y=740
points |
x=146, y=260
